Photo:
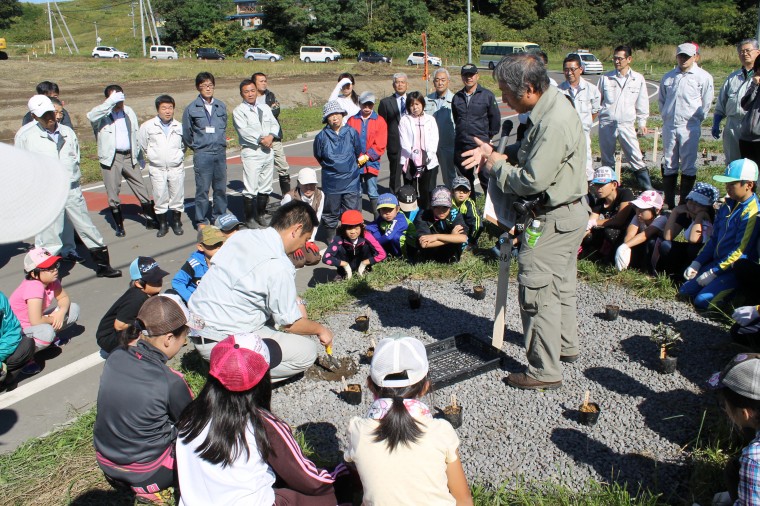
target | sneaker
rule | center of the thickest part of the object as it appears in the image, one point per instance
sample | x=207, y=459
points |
x=31, y=368
x=74, y=257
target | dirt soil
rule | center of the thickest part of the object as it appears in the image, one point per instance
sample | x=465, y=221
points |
x=348, y=368
x=81, y=92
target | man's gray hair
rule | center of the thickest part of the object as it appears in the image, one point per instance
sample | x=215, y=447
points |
x=744, y=42
x=399, y=75
x=520, y=71
x=441, y=70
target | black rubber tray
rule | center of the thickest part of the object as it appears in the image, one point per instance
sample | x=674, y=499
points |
x=460, y=357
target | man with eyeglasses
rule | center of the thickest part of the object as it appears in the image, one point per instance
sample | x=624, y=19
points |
x=686, y=94
x=204, y=126
x=438, y=105
x=729, y=100
x=625, y=102
x=586, y=99
x=392, y=109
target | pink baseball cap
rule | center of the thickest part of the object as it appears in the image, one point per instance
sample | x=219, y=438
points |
x=240, y=361
x=39, y=258
x=649, y=199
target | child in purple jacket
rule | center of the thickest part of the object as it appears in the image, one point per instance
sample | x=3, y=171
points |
x=352, y=249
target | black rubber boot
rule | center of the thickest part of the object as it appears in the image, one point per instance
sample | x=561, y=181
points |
x=373, y=208
x=249, y=208
x=262, y=199
x=284, y=184
x=177, y=223
x=642, y=177
x=151, y=223
x=687, y=183
x=118, y=220
x=103, y=262
x=669, y=187
x=163, y=225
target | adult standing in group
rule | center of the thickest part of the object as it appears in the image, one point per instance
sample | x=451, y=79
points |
x=392, y=109
x=115, y=125
x=550, y=163
x=586, y=99
x=373, y=135
x=686, y=93
x=749, y=131
x=49, y=138
x=476, y=115
x=204, y=126
x=250, y=288
x=345, y=94
x=625, y=103
x=51, y=90
x=256, y=127
x=729, y=105
x=265, y=96
x=419, y=147
x=438, y=105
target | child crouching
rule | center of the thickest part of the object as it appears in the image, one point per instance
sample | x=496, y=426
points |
x=352, y=249
x=392, y=229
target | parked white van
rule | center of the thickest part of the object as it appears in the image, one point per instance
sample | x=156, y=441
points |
x=318, y=53
x=163, y=53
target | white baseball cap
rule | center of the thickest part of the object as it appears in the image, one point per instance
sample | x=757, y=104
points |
x=687, y=48
x=39, y=105
x=307, y=175
x=398, y=355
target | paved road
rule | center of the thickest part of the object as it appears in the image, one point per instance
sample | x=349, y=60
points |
x=69, y=381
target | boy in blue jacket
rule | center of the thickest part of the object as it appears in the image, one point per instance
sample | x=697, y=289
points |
x=392, y=229
x=16, y=349
x=184, y=283
x=464, y=205
x=337, y=149
x=711, y=277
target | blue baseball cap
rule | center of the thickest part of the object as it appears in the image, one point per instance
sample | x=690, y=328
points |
x=604, y=175
x=387, y=200
x=146, y=269
x=742, y=169
x=226, y=222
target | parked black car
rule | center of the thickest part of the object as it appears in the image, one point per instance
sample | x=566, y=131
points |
x=373, y=57
x=209, y=53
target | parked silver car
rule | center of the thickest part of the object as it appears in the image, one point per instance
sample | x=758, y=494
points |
x=257, y=53
x=108, y=52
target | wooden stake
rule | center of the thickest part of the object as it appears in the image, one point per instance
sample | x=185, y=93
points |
x=654, y=146
x=662, y=352
x=586, y=398
x=345, y=384
x=619, y=165
x=372, y=342
x=453, y=400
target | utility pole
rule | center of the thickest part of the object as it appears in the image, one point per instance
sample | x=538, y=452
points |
x=50, y=22
x=142, y=27
x=132, y=14
x=758, y=21
x=97, y=37
x=469, y=34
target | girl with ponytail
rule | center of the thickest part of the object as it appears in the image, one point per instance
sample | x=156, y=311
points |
x=403, y=455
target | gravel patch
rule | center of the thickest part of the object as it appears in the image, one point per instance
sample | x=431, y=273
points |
x=647, y=418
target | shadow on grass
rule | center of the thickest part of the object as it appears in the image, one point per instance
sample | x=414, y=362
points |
x=322, y=443
x=101, y=497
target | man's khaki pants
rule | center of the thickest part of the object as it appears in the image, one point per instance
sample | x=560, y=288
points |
x=546, y=290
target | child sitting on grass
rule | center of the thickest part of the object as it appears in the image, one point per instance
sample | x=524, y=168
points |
x=403, y=454
x=739, y=396
x=441, y=235
x=32, y=301
x=642, y=233
x=352, y=249
x=407, y=201
x=464, y=205
x=184, y=283
x=232, y=449
x=147, y=279
x=611, y=213
x=140, y=400
x=392, y=229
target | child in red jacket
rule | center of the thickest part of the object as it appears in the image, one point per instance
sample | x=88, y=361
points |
x=373, y=135
x=352, y=249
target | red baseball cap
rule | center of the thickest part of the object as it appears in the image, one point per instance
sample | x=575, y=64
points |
x=352, y=217
x=240, y=361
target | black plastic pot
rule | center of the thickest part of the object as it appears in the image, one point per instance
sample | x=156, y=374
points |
x=455, y=419
x=415, y=300
x=611, y=312
x=590, y=417
x=714, y=158
x=362, y=323
x=352, y=396
x=668, y=365
x=478, y=292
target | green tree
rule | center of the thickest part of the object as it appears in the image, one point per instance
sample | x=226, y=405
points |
x=397, y=18
x=233, y=40
x=518, y=14
x=288, y=20
x=187, y=19
x=9, y=9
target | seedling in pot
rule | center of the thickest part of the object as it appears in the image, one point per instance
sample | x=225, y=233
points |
x=453, y=412
x=478, y=292
x=352, y=392
x=666, y=337
x=589, y=411
x=362, y=322
x=611, y=312
x=415, y=298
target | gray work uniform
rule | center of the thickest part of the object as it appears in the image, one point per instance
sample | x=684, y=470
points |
x=440, y=108
x=729, y=106
x=550, y=159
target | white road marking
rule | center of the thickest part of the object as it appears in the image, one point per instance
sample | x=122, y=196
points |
x=36, y=386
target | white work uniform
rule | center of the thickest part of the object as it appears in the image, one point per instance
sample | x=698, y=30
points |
x=624, y=101
x=58, y=238
x=165, y=151
x=587, y=102
x=729, y=106
x=249, y=286
x=685, y=99
x=252, y=122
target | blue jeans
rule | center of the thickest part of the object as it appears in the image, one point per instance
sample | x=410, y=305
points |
x=336, y=204
x=715, y=292
x=369, y=185
x=210, y=172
